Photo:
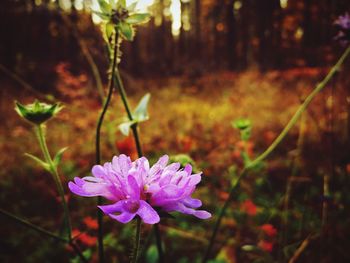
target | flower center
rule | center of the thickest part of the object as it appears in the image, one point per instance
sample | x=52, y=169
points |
x=132, y=206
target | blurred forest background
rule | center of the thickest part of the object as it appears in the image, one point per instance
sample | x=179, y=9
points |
x=206, y=63
x=183, y=37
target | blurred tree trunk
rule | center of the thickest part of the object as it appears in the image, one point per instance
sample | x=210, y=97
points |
x=197, y=29
x=231, y=36
x=266, y=10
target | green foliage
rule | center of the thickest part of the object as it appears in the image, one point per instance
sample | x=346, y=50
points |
x=140, y=114
x=57, y=159
x=41, y=163
x=152, y=254
x=120, y=19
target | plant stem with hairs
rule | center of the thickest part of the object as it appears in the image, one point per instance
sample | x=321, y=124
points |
x=273, y=146
x=121, y=90
x=39, y=131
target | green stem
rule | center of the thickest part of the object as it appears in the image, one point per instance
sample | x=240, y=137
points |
x=40, y=230
x=121, y=90
x=273, y=146
x=159, y=243
x=137, y=240
x=32, y=226
x=98, y=152
x=53, y=168
x=78, y=252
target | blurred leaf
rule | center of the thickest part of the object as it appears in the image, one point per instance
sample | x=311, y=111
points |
x=250, y=248
x=122, y=3
x=245, y=134
x=105, y=7
x=140, y=113
x=184, y=159
x=132, y=7
x=87, y=254
x=104, y=17
x=42, y=163
x=125, y=127
x=58, y=157
x=109, y=29
x=126, y=31
x=138, y=18
x=152, y=254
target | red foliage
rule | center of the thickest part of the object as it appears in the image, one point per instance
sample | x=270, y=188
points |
x=90, y=222
x=84, y=238
x=266, y=245
x=269, y=230
x=127, y=147
x=249, y=207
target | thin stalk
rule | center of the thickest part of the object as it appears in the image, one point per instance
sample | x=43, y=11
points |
x=283, y=238
x=78, y=252
x=137, y=240
x=32, y=226
x=24, y=84
x=43, y=231
x=273, y=146
x=121, y=90
x=53, y=168
x=159, y=243
x=98, y=153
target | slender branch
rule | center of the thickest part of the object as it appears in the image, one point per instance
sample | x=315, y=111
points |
x=137, y=240
x=78, y=252
x=301, y=109
x=40, y=230
x=273, y=146
x=159, y=243
x=32, y=226
x=53, y=168
x=23, y=83
x=87, y=54
x=98, y=153
x=300, y=249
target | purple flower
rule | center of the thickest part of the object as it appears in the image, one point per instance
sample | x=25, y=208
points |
x=137, y=189
x=343, y=23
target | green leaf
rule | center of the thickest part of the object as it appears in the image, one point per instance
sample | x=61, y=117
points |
x=42, y=163
x=126, y=31
x=122, y=3
x=152, y=254
x=138, y=18
x=104, y=6
x=58, y=157
x=125, y=127
x=140, y=112
x=131, y=8
x=109, y=27
x=101, y=15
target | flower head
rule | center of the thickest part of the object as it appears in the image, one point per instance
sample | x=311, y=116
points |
x=343, y=23
x=120, y=17
x=37, y=112
x=139, y=190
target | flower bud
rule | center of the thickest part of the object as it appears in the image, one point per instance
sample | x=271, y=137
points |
x=37, y=112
